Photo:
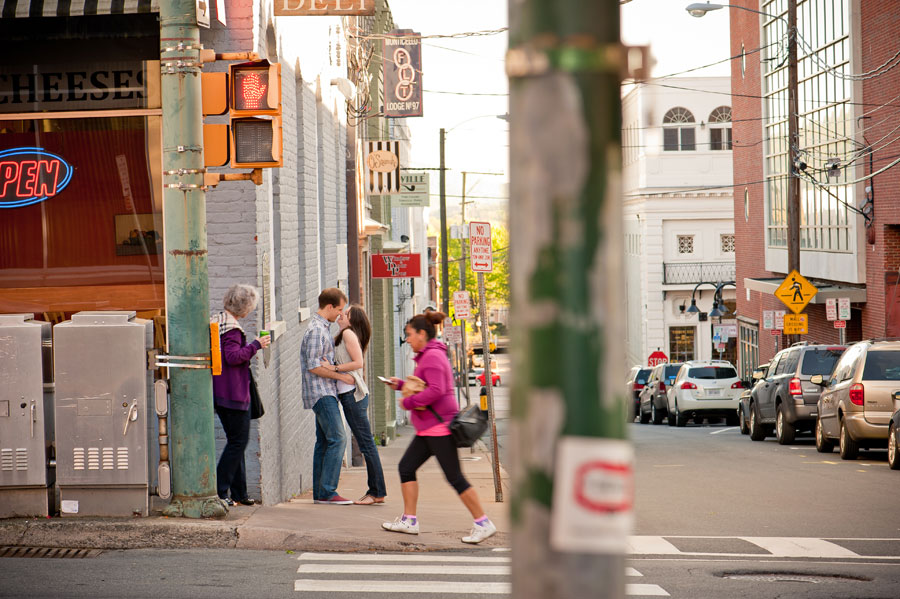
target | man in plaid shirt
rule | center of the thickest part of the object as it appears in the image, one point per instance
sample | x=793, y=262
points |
x=320, y=396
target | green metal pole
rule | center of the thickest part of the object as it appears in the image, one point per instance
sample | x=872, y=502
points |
x=192, y=440
x=572, y=481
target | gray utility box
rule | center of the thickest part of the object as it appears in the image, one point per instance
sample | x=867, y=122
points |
x=26, y=417
x=102, y=384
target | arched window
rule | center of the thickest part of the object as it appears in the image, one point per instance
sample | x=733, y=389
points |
x=678, y=130
x=720, y=128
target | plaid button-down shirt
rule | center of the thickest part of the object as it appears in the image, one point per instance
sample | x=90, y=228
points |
x=317, y=345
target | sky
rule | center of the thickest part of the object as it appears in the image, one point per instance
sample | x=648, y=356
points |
x=478, y=141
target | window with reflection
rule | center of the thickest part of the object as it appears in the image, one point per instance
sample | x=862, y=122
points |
x=678, y=130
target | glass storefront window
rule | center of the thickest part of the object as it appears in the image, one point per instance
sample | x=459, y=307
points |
x=95, y=243
x=681, y=343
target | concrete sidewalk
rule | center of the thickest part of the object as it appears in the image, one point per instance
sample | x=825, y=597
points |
x=298, y=525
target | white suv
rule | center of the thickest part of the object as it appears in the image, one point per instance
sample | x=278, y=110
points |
x=704, y=389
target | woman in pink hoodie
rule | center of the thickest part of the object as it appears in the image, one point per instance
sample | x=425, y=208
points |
x=431, y=411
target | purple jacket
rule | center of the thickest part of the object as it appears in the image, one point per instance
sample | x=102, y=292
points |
x=433, y=367
x=231, y=389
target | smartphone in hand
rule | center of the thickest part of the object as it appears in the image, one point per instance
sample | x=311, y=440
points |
x=384, y=380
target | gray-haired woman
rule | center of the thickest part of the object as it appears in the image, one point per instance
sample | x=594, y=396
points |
x=231, y=391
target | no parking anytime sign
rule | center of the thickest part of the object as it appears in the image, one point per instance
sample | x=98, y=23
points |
x=593, y=495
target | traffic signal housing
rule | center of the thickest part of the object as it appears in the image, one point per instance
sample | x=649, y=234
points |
x=255, y=114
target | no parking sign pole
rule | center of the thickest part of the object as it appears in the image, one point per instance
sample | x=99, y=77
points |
x=482, y=262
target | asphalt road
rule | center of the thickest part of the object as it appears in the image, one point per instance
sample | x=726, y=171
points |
x=717, y=516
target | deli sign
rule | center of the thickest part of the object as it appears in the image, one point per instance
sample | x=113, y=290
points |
x=396, y=266
x=31, y=175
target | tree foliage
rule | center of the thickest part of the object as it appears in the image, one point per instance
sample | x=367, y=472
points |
x=496, y=283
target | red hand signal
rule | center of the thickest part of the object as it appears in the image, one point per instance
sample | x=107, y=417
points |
x=253, y=90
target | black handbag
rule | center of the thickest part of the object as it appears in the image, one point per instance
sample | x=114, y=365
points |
x=256, y=406
x=467, y=426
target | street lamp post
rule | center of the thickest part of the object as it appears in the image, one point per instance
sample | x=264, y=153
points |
x=698, y=9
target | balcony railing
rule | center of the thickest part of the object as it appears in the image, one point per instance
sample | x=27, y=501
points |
x=681, y=273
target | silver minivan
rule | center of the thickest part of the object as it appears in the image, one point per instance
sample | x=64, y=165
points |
x=859, y=397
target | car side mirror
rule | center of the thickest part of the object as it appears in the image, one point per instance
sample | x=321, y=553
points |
x=817, y=379
x=758, y=374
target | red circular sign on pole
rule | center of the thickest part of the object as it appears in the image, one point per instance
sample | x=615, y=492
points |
x=657, y=358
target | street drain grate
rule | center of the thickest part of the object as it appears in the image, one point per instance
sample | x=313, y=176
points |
x=52, y=552
x=805, y=577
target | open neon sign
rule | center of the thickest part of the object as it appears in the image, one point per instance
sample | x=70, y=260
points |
x=31, y=175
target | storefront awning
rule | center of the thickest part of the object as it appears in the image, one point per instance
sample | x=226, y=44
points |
x=23, y=9
x=857, y=295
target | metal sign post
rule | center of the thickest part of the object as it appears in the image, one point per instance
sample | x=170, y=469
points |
x=488, y=382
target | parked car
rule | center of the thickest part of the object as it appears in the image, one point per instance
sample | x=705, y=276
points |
x=859, y=398
x=637, y=378
x=652, y=399
x=495, y=378
x=785, y=400
x=894, y=441
x=704, y=389
x=759, y=373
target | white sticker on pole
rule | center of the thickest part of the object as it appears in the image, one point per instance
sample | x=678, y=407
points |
x=452, y=334
x=768, y=319
x=831, y=309
x=480, y=247
x=843, y=308
x=461, y=305
x=593, y=496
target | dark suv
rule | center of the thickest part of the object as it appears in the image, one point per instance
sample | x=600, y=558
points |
x=786, y=399
x=652, y=405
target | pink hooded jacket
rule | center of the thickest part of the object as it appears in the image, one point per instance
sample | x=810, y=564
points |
x=433, y=367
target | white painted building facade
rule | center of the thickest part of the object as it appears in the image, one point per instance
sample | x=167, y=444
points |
x=678, y=211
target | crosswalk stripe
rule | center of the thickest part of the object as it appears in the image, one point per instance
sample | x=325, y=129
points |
x=651, y=545
x=405, y=557
x=439, y=586
x=403, y=586
x=405, y=569
x=800, y=547
x=645, y=590
x=632, y=572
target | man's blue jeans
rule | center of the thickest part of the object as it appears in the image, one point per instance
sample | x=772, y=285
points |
x=356, y=413
x=329, y=450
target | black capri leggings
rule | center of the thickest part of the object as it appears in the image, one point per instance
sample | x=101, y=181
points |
x=444, y=449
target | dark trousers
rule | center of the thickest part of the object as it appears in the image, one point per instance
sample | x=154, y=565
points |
x=231, y=473
x=357, y=415
x=444, y=449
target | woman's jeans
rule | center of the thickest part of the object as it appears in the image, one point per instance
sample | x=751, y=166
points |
x=356, y=413
x=231, y=473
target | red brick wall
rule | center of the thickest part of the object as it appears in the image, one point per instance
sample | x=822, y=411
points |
x=881, y=22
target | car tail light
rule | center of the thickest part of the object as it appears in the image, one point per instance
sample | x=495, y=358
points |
x=857, y=394
x=662, y=386
x=738, y=385
x=688, y=385
x=794, y=387
x=638, y=386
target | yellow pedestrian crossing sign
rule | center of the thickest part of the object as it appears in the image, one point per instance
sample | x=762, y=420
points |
x=795, y=292
x=796, y=324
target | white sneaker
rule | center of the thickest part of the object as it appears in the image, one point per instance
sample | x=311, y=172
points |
x=480, y=533
x=401, y=525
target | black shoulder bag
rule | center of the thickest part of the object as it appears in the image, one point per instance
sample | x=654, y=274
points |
x=467, y=426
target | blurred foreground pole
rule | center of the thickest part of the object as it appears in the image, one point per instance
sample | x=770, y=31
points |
x=572, y=480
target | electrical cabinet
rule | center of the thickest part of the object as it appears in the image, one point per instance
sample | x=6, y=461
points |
x=26, y=417
x=102, y=387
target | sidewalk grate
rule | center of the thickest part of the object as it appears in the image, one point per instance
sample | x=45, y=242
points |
x=54, y=552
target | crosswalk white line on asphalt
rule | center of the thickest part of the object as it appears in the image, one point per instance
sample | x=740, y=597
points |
x=646, y=545
x=632, y=572
x=403, y=586
x=405, y=569
x=439, y=586
x=800, y=547
x=405, y=557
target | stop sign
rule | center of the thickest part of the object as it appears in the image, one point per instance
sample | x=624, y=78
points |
x=657, y=358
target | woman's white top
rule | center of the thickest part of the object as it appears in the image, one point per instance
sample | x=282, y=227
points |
x=342, y=356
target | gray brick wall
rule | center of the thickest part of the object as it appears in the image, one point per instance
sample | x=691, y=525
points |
x=298, y=210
